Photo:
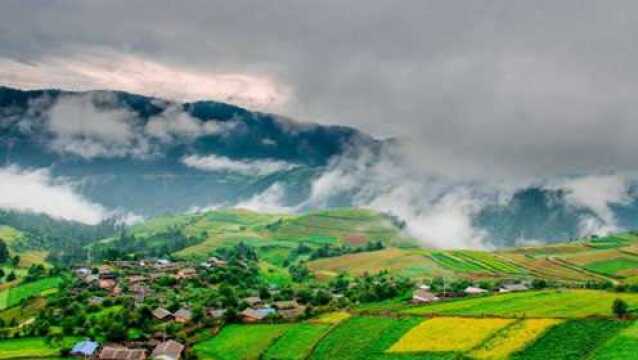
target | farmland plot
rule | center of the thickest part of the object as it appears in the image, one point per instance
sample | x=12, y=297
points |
x=363, y=337
x=575, y=339
x=541, y=304
x=448, y=334
x=240, y=342
x=622, y=346
x=512, y=338
x=297, y=342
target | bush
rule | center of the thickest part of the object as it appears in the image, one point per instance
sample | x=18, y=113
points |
x=620, y=308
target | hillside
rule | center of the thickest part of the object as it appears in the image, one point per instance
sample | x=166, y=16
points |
x=331, y=242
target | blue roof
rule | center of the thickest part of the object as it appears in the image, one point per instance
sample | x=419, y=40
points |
x=265, y=311
x=85, y=347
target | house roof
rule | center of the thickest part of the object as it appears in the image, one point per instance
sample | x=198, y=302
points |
x=183, y=313
x=424, y=295
x=514, y=287
x=474, y=290
x=161, y=313
x=251, y=300
x=86, y=348
x=121, y=353
x=285, y=304
x=258, y=314
x=216, y=313
x=170, y=349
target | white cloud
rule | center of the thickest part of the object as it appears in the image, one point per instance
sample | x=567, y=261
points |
x=437, y=212
x=270, y=201
x=35, y=191
x=81, y=128
x=174, y=122
x=596, y=193
x=221, y=163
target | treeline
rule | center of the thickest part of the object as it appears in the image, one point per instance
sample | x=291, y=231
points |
x=330, y=250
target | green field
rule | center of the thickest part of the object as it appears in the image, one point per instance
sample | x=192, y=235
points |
x=622, y=346
x=15, y=295
x=297, y=342
x=364, y=337
x=550, y=303
x=240, y=342
x=32, y=348
x=613, y=266
x=575, y=339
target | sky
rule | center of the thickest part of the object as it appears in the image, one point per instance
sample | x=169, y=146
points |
x=498, y=91
x=524, y=88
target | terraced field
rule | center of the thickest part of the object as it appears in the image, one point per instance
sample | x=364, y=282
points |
x=415, y=338
x=15, y=295
x=32, y=348
x=539, y=304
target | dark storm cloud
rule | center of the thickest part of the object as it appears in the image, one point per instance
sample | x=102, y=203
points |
x=505, y=88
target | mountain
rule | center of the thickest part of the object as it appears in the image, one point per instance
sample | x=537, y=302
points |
x=146, y=156
x=151, y=156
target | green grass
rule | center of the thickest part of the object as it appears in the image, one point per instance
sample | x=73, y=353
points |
x=274, y=274
x=622, y=346
x=297, y=342
x=575, y=339
x=32, y=348
x=240, y=342
x=550, y=303
x=14, y=296
x=613, y=266
x=362, y=337
x=456, y=264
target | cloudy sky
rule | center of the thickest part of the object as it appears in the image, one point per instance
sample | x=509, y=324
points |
x=504, y=91
x=522, y=88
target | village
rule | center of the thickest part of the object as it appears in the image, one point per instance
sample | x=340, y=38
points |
x=172, y=301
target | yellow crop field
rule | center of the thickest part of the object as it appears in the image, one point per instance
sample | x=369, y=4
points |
x=331, y=317
x=448, y=334
x=512, y=339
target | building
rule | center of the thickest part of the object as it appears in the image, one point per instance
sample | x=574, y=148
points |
x=85, y=349
x=251, y=315
x=512, y=288
x=107, y=284
x=289, y=309
x=183, y=316
x=472, y=290
x=121, y=353
x=253, y=301
x=168, y=350
x=187, y=273
x=420, y=296
x=162, y=314
x=216, y=313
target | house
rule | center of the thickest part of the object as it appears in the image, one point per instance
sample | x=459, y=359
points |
x=289, y=309
x=183, y=316
x=216, y=313
x=186, y=273
x=82, y=272
x=424, y=287
x=107, y=284
x=216, y=262
x=135, y=279
x=472, y=290
x=96, y=300
x=121, y=353
x=512, y=288
x=420, y=296
x=250, y=315
x=162, y=314
x=168, y=350
x=253, y=301
x=89, y=279
x=85, y=349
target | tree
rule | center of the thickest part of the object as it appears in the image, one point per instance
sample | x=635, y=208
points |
x=620, y=308
x=11, y=276
x=4, y=252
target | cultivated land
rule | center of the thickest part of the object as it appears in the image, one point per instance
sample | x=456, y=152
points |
x=563, y=322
